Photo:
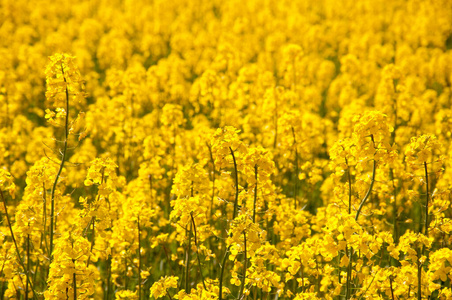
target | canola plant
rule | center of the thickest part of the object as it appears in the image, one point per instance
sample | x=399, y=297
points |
x=225, y=149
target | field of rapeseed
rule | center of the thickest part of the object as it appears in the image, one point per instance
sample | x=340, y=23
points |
x=225, y=149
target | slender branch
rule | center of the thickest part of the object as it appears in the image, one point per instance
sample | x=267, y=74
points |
x=139, y=258
x=223, y=265
x=168, y=294
x=244, y=268
x=349, y=270
x=426, y=201
x=276, y=122
x=421, y=253
x=349, y=187
x=236, y=177
x=197, y=252
x=187, y=262
x=108, y=276
x=74, y=282
x=368, y=287
x=150, y=186
x=349, y=273
x=168, y=259
x=394, y=208
x=419, y=276
x=44, y=208
x=368, y=191
x=296, y=168
x=15, y=243
x=28, y=267
x=213, y=179
x=93, y=221
x=63, y=158
x=255, y=194
x=390, y=285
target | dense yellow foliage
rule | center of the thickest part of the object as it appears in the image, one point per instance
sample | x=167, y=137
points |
x=225, y=149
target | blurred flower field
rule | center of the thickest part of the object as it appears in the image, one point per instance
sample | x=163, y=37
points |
x=226, y=149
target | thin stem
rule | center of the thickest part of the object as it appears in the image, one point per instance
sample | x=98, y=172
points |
x=74, y=282
x=426, y=201
x=349, y=274
x=139, y=259
x=368, y=191
x=394, y=206
x=168, y=259
x=223, y=265
x=28, y=267
x=390, y=285
x=1, y=272
x=244, y=268
x=213, y=179
x=236, y=177
x=374, y=167
x=150, y=186
x=108, y=277
x=296, y=168
x=15, y=243
x=169, y=296
x=187, y=262
x=421, y=253
x=419, y=277
x=92, y=242
x=349, y=188
x=197, y=252
x=63, y=158
x=44, y=209
x=275, y=140
x=93, y=220
x=125, y=273
x=349, y=270
x=368, y=287
x=255, y=194
x=302, y=278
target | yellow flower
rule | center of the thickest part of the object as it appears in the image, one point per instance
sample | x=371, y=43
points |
x=160, y=287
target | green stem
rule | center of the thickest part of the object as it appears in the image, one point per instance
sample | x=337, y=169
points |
x=390, y=285
x=394, y=207
x=139, y=259
x=422, y=253
x=296, y=168
x=1, y=273
x=426, y=201
x=349, y=274
x=168, y=294
x=63, y=158
x=74, y=282
x=213, y=179
x=275, y=140
x=236, y=177
x=125, y=273
x=366, y=197
x=244, y=268
x=419, y=277
x=368, y=191
x=93, y=221
x=349, y=188
x=197, y=252
x=223, y=266
x=187, y=262
x=108, y=277
x=15, y=243
x=28, y=267
x=255, y=194
x=44, y=209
